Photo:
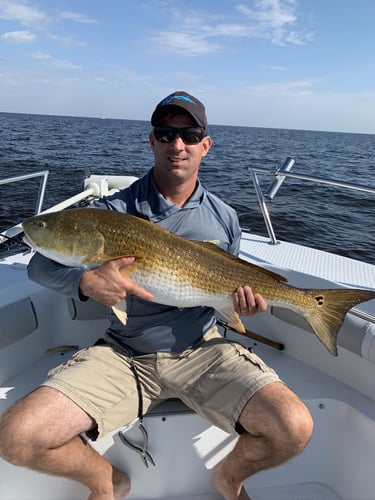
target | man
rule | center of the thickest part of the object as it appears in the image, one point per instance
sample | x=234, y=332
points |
x=219, y=379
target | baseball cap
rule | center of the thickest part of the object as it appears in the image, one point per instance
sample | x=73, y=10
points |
x=184, y=101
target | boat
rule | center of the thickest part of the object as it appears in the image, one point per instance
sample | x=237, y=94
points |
x=339, y=391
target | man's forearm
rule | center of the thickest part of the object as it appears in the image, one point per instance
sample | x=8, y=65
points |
x=55, y=276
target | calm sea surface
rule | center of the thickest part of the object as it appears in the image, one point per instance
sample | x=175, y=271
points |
x=324, y=217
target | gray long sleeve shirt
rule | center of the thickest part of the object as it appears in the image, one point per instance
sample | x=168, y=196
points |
x=153, y=327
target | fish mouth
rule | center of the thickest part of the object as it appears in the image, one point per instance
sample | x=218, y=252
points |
x=27, y=241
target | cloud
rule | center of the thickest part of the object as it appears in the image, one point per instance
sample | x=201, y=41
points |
x=66, y=41
x=113, y=75
x=24, y=13
x=270, y=14
x=51, y=61
x=287, y=88
x=201, y=32
x=276, y=68
x=273, y=20
x=186, y=44
x=21, y=11
x=77, y=17
x=18, y=37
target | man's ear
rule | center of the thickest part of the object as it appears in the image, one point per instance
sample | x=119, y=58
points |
x=151, y=139
x=206, y=145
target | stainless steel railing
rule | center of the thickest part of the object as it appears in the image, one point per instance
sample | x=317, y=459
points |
x=15, y=230
x=279, y=175
x=42, y=186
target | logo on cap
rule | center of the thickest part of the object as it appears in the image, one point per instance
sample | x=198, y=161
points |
x=170, y=98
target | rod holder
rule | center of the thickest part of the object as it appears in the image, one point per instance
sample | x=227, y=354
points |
x=279, y=179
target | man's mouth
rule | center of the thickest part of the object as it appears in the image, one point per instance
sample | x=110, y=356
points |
x=175, y=159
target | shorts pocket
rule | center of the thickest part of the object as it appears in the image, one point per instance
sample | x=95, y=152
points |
x=77, y=356
x=250, y=356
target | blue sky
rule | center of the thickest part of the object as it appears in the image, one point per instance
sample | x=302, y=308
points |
x=304, y=64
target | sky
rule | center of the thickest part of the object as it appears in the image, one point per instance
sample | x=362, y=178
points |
x=300, y=64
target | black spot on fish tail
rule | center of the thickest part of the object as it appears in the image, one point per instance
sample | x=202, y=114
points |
x=331, y=306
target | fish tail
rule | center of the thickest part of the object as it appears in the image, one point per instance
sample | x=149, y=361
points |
x=328, y=312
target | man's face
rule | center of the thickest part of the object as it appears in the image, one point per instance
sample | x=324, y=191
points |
x=176, y=158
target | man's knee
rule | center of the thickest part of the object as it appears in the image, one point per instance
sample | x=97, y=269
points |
x=44, y=419
x=277, y=414
x=22, y=427
x=297, y=427
x=14, y=441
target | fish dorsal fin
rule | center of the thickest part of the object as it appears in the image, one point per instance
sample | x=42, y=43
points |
x=276, y=276
x=219, y=251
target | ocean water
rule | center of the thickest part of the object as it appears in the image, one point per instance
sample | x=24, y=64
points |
x=324, y=217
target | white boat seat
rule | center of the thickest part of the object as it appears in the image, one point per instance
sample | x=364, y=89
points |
x=357, y=333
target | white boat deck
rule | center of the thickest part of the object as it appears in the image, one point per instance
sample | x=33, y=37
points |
x=335, y=268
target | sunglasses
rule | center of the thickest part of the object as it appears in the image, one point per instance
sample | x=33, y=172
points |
x=189, y=135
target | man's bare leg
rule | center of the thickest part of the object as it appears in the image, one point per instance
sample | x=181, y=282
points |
x=277, y=427
x=42, y=432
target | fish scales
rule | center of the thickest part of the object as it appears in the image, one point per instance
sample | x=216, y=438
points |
x=203, y=267
x=182, y=272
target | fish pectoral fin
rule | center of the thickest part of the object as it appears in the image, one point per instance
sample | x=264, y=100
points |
x=234, y=321
x=120, y=311
x=120, y=308
x=128, y=270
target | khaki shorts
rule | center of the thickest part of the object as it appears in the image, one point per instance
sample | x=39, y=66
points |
x=215, y=378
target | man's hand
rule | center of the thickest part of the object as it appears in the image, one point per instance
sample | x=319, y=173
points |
x=108, y=286
x=247, y=303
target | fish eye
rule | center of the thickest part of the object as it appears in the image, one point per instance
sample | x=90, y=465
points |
x=41, y=224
